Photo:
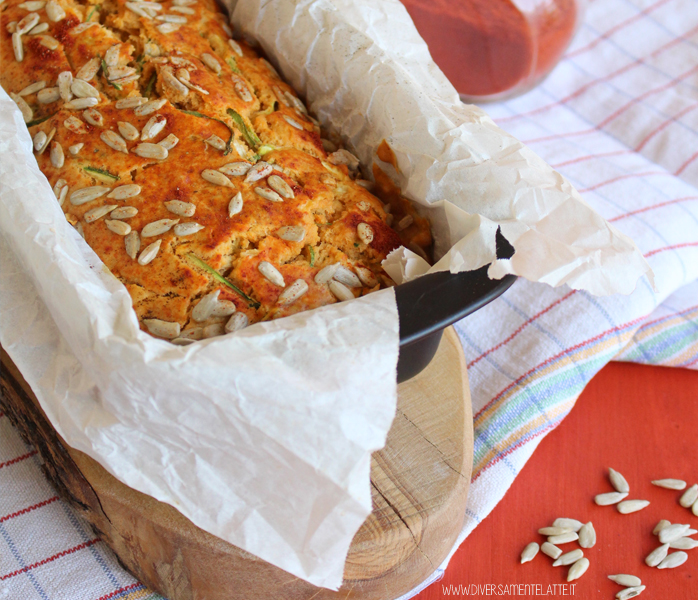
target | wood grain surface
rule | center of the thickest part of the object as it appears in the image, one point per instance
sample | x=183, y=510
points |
x=419, y=481
x=639, y=420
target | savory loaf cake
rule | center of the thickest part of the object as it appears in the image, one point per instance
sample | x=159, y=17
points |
x=191, y=168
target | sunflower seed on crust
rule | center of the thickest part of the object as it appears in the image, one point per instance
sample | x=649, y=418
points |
x=111, y=56
x=282, y=188
x=48, y=95
x=295, y=102
x=670, y=484
x=193, y=333
x=630, y=506
x=268, y=194
x=49, y=137
x=347, y=277
x=60, y=190
x=125, y=191
x=259, y=171
x=291, y=233
x=172, y=19
x=529, y=552
x=39, y=28
x=657, y=555
x=675, y=559
x=404, y=223
x=87, y=194
x=235, y=205
x=163, y=329
x=326, y=274
x=148, y=150
x=78, y=29
x=694, y=508
x=158, y=227
x=118, y=227
x=213, y=330
x=577, y=569
x=24, y=108
x=211, y=62
x=551, y=550
x=366, y=276
x=663, y=524
x=183, y=10
x=689, y=497
x=32, y=88
x=39, y=140
x=65, y=81
x=127, y=131
x=98, y=212
x=75, y=149
x=169, y=142
x=626, y=580
x=630, y=592
x=236, y=47
x=292, y=122
x=280, y=95
x=564, y=538
x=124, y=212
x=143, y=110
x=587, y=535
x=271, y=273
x=618, y=482
x=149, y=253
x=223, y=308
x=116, y=73
x=183, y=209
x=241, y=88
x=139, y=8
x=17, y=46
x=75, y=125
x=341, y=291
x=554, y=530
x=153, y=127
x=365, y=233
x=131, y=102
x=170, y=81
x=26, y=23
x=166, y=28
x=215, y=142
x=89, y=70
x=237, y=322
x=216, y=178
x=344, y=157
x=204, y=307
x=81, y=103
x=189, y=228
x=48, y=41
x=82, y=89
x=114, y=141
x=235, y=169
x=684, y=543
x=56, y=155
x=673, y=532
x=293, y=292
x=609, y=498
x=568, y=558
x=32, y=5
x=93, y=117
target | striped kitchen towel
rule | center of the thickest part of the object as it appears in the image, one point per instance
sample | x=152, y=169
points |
x=619, y=118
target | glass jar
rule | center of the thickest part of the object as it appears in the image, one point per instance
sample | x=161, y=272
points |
x=495, y=49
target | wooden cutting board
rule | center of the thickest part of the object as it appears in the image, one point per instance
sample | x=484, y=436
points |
x=419, y=484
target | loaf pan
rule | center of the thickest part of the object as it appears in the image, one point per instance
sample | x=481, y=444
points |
x=429, y=304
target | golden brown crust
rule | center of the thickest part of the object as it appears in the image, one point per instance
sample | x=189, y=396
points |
x=224, y=104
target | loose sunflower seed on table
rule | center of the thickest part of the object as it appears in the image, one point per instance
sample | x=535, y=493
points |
x=564, y=538
x=587, y=535
x=618, y=482
x=626, y=580
x=630, y=506
x=577, y=569
x=663, y=524
x=609, y=498
x=554, y=530
x=630, y=592
x=569, y=558
x=673, y=532
x=675, y=559
x=657, y=555
x=551, y=550
x=529, y=552
x=689, y=497
x=684, y=543
x=670, y=484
